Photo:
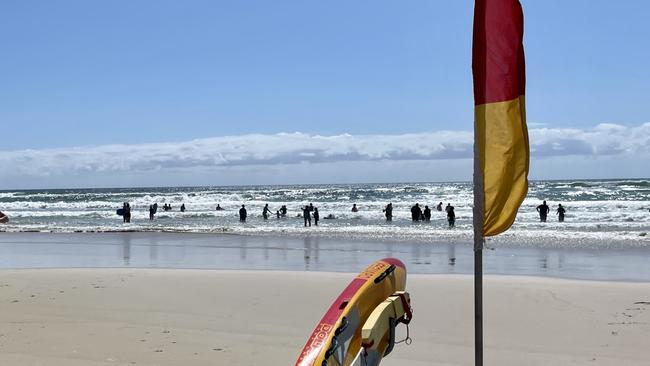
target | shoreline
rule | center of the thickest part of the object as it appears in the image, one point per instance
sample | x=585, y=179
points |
x=166, y=317
x=508, y=239
x=309, y=253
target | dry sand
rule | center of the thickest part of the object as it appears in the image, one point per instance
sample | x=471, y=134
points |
x=208, y=317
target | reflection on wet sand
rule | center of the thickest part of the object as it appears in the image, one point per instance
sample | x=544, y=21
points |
x=173, y=250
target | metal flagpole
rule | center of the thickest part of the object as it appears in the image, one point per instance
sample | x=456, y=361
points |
x=479, y=208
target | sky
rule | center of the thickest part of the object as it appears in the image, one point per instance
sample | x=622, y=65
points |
x=137, y=93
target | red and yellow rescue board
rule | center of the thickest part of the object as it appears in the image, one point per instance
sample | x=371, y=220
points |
x=337, y=339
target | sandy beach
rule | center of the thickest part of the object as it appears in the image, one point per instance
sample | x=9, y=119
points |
x=217, y=317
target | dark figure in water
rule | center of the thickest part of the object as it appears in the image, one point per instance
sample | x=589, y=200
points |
x=242, y=213
x=451, y=216
x=316, y=216
x=183, y=207
x=354, y=208
x=127, y=212
x=427, y=213
x=283, y=210
x=306, y=214
x=416, y=212
x=155, y=208
x=311, y=207
x=388, y=211
x=277, y=214
x=543, y=210
x=151, y=212
x=560, y=213
x=219, y=208
x=266, y=212
x=439, y=207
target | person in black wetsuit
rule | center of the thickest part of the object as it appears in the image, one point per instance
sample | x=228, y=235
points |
x=560, y=212
x=427, y=213
x=127, y=212
x=389, y=212
x=151, y=212
x=283, y=210
x=416, y=212
x=543, y=210
x=306, y=215
x=183, y=207
x=439, y=207
x=451, y=216
x=242, y=213
x=316, y=216
x=266, y=211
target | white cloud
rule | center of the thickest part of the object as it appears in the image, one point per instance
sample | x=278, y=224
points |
x=286, y=149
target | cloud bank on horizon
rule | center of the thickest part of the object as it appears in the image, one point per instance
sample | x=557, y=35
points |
x=257, y=151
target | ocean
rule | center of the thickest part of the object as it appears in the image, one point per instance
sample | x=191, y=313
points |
x=600, y=213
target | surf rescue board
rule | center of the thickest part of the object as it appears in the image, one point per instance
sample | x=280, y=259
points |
x=337, y=339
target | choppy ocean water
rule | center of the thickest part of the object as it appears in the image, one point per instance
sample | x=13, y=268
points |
x=599, y=213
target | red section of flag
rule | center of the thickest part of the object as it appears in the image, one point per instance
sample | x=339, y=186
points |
x=498, y=52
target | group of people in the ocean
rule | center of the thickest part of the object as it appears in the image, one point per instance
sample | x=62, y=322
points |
x=310, y=213
x=543, y=210
x=243, y=213
x=418, y=214
x=153, y=210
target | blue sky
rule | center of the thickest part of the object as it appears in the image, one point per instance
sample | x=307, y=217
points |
x=85, y=73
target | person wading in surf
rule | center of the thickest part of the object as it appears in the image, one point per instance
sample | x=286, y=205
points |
x=242, y=213
x=560, y=212
x=543, y=210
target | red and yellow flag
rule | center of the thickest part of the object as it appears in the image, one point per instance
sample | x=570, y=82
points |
x=500, y=114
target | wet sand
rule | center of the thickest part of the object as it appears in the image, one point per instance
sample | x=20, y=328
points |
x=125, y=316
x=220, y=251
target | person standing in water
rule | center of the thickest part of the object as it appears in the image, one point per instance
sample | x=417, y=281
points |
x=316, y=216
x=427, y=213
x=283, y=210
x=151, y=212
x=451, y=216
x=354, y=208
x=183, y=207
x=126, y=215
x=266, y=212
x=389, y=212
x=543, y=210
x=439, y=207
x=560, y=212
x=306, y=215
x=242, y=214
x=416, y=212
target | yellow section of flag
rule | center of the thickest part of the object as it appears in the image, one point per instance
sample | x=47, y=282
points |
x=502, y=139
